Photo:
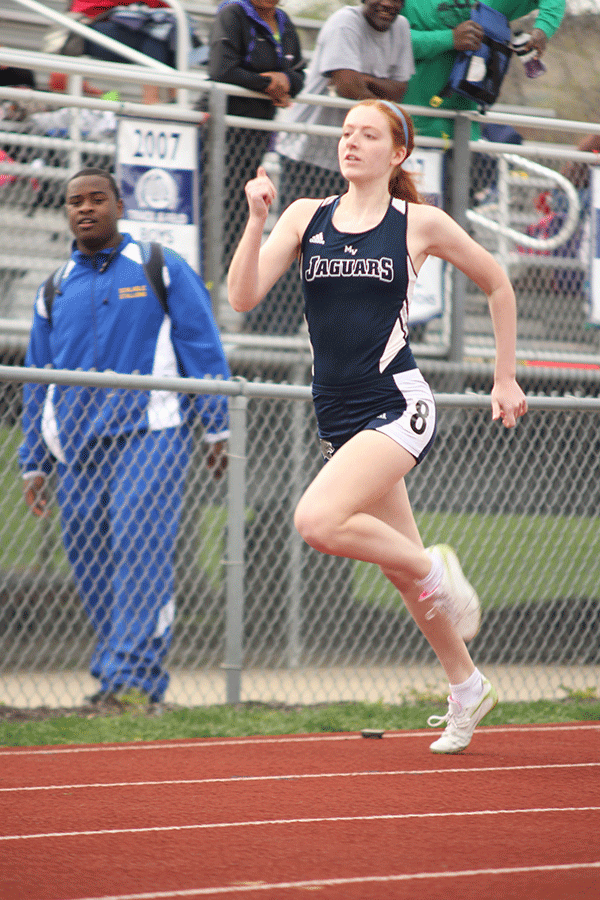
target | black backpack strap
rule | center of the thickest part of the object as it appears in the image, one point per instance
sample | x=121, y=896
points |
x=154, y=260
x=51, y=288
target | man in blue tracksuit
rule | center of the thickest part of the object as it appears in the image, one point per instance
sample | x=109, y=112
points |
x=121, y=455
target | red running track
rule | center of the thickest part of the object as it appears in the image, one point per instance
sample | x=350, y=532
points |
x=332, y=816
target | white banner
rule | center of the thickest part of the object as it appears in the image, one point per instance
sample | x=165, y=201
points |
x=157, y=171
x=428, y=297
x=595, y=248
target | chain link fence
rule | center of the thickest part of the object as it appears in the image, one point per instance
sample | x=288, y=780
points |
x=517, y=207
x=259, y=615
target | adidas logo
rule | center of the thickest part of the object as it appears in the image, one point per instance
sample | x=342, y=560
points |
x=317, y=238
x=348, y=249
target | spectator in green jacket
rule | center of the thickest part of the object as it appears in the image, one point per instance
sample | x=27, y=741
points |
x=441, y=28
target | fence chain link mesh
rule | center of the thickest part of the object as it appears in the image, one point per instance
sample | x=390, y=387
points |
x=552, y=286
x=519, y=506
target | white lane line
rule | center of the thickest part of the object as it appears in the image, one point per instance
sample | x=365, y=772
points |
x=311, y=820
x=208, y=743
x=340, y=882
x=245, y=779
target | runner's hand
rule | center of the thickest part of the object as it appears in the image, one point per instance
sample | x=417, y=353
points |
x=260, y=193
x=508, y=402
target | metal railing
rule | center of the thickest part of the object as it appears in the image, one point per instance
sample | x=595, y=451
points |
x=454, y=335
x=183, y=37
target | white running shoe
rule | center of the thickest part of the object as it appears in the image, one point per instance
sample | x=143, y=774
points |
x=455, y=597
x=461, y=722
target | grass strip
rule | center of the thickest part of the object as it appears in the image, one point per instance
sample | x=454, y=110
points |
x=250, y=718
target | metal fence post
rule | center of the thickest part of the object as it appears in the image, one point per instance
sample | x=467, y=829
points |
x=461, y=158
x=75, y=87
x=213, y=205
x=297, y=481
x=503, y=205
x=234, y=552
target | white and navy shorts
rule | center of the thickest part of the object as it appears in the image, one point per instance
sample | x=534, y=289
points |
x=401, y=406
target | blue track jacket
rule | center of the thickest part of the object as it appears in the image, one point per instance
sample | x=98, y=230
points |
x=106, y=317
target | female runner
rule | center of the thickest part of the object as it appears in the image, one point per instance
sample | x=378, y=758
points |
x=360, y=255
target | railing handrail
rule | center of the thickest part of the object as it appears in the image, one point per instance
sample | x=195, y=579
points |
x=240, y=387
x=183, y=37
x=159, y=110
x=566, y=230
x=540, y=244
x=86, y=32
x=118, y=72
x=219, y=91
x=197, y=80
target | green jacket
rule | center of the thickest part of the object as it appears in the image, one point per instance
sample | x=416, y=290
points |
x=431, y=24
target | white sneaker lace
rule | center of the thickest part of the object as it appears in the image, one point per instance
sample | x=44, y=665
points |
x=451, y=717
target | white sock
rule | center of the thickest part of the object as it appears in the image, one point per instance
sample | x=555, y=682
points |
x=433, y=580
x=469, y=691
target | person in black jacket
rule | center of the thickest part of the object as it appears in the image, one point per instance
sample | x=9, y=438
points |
x=254, y=45
x=14, y=77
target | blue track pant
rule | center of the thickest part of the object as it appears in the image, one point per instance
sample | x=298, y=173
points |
x=120, y=514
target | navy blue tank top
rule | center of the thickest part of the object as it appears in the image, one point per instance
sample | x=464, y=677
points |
x=357, y=288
